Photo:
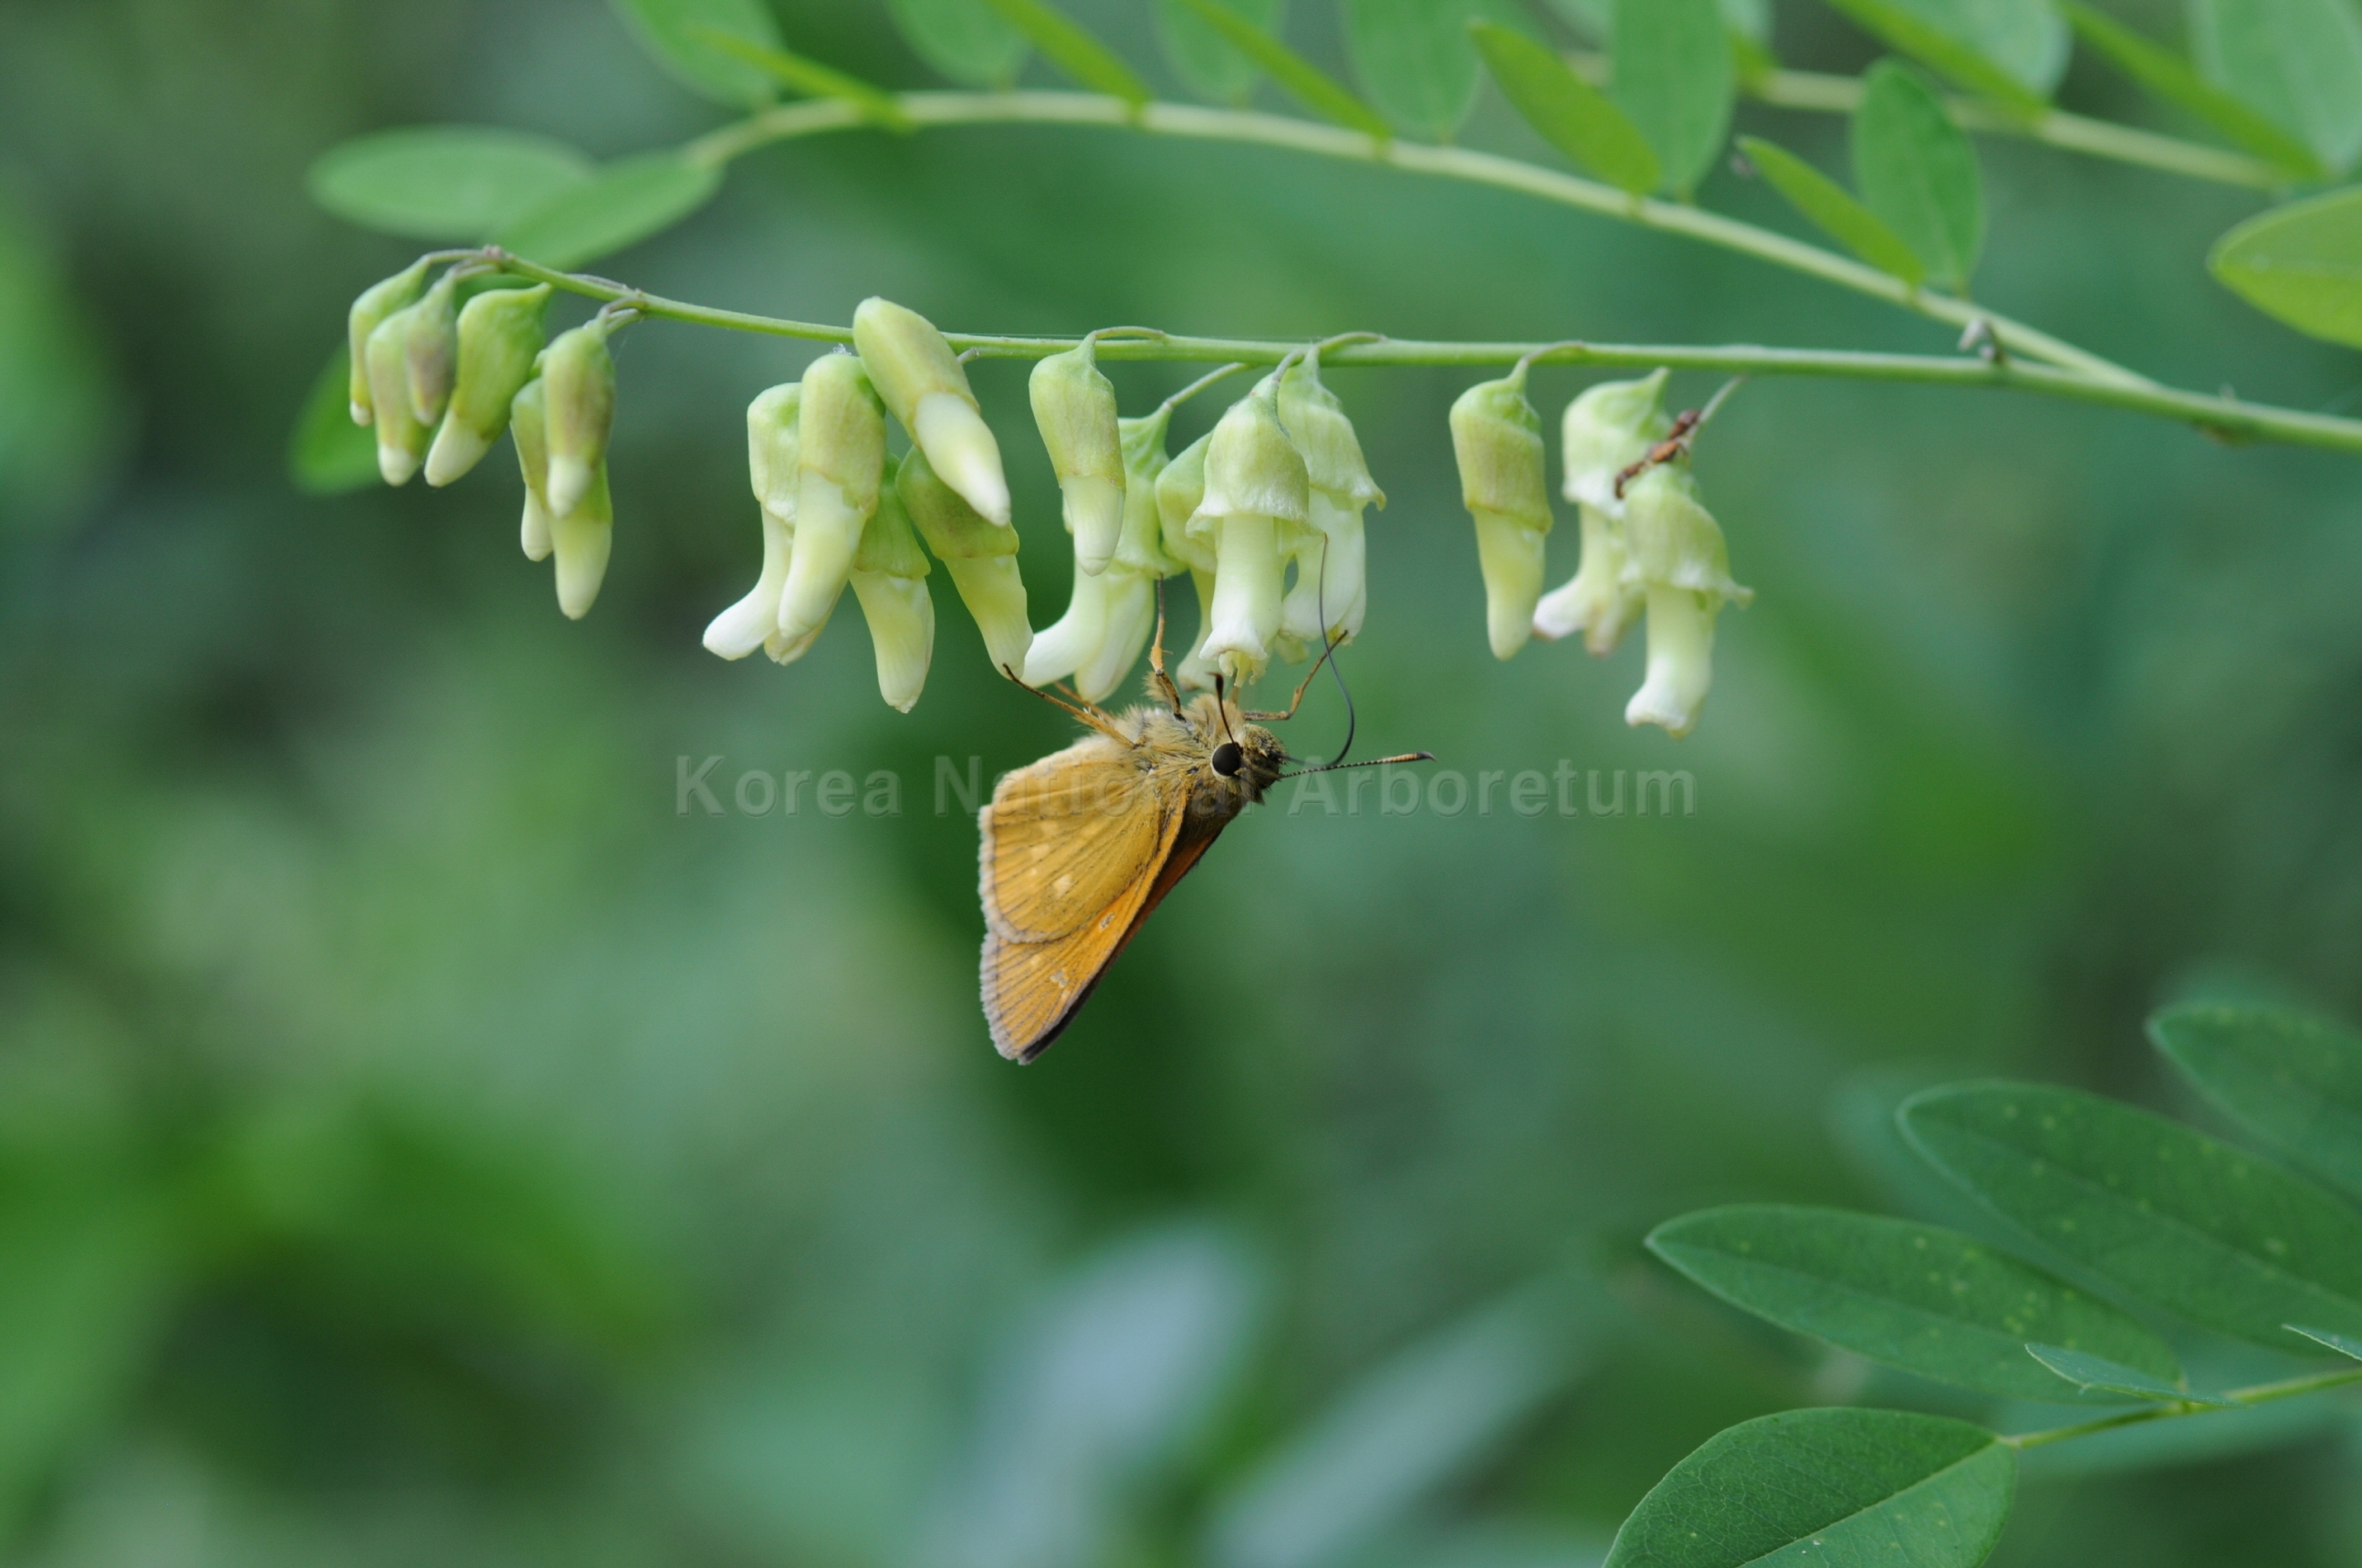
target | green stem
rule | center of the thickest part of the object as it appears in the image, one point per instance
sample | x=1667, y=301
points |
x=1193, y=121
x=2217, y=415
x=2240, y=1399
x=2076, y=133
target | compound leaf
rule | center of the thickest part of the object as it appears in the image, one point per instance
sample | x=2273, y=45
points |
x=2166, y=76
x=677, y=34
x=1299, y=77
x=1070, y=46
x=1414, y=61
x=1571, y=114
x=1907, y=28
x=2298, y=61
x=1673, y=78
x=965, y=39
x=1918, y=171
x=2301, y=264
x=1834, y=210
x=629, y=201
x=1207, y=62
x=459, y=184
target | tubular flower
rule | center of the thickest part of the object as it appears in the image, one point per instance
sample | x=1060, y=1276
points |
x=981, y=558
x=920, y=380
x=1255, y=487
x=890, y=580
x=1178, y=491
x=499, y=334
x=581, y=536
x=840, y=463
x=1497, y=438
x=376, y=303
x=1680, y=562
x=431, y=348
x=1074, y=406
x=579, y=389
x=771, y=469
x=529, y=429
x=1109, y=620
x=401, y=438
x=1607, y=430
x=1330, y=553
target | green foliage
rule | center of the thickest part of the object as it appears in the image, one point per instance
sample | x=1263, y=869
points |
x=810, y=77
x=967, y=41
x=2161, y=1212
x=626, y=202
x=1414, y=61
x=1571, y=114
x=1207, y=62
x=1913, y=1296
x=1073, y=49
x=328, y=454
x=2301, y=264
x=1849, y=1488
x=2167, y=77
x=1835, y=210
x=2165, y=1216
x=2112, y=1381
x=1673, y=78
x=1908, y=27
x=1291, y=71
x=57, y=404
x=448, y=183
x=1918, y=174
x=2298, y=61
x=679, y=35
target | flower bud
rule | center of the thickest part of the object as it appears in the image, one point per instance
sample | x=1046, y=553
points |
x=889, y=574
x=400, y=439
x=579, y=375
x=1180, y=489
x=431, y=346
x=1255, y=486
x=1598, y=601
x=1607, y=429
x=772, y=437
x=922, y=384
x=1497, y=438
x=1074, y=406
x=1679, y=556
x=581, y=539
x=500, y=338
x=981, y=558
x=376, y=303
x=841, y=461
x=1329, y=553
x=529, y=429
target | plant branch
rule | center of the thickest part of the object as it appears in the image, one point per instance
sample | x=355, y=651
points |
x=2239, y=1398
x=2217, y=415
x=926, y=109
x=1815, y=90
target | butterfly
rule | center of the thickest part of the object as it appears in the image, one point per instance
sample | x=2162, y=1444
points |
x=1081, y=846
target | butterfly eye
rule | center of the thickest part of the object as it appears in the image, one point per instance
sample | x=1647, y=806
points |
x=1228, y=759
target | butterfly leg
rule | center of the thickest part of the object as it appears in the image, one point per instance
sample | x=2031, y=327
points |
x=1158, y=681
x=1302, y=686
x=1089, y=714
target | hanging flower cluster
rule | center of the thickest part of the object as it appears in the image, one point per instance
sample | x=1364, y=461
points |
x=1264, y=512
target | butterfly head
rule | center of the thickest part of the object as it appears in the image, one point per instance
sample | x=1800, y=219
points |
x=1240, y=760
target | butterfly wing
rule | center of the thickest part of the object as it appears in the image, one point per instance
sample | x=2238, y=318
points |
x=1074, y=848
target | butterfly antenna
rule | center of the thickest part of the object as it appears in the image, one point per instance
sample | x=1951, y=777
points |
x=1328, y=649
x=1222, y=707
x=1373, y=762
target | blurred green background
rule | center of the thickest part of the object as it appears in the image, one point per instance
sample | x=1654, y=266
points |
x=418, y=1143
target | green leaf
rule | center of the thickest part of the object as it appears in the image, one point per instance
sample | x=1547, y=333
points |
x=965, y=39
x=1571, y=114
x=459, y=184
x=2163, y=1213
x=2343, y=1344
x=1902, y=27
x=1211, y=64
x=1072, y=50
x=2300, y=263
x=1918, y=171
x=1834, y=210
x=1307, y=83
x=2291, y=1079
x=629, y=201
x=327, y=454
x=1415, y=59
x=813, y=79
x=1925, y=1299
x=2097, y=1374
x=1836, y=1488
x=2167, y=77
x=2299, y=61
x=678, y=33
x=1672, y=76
